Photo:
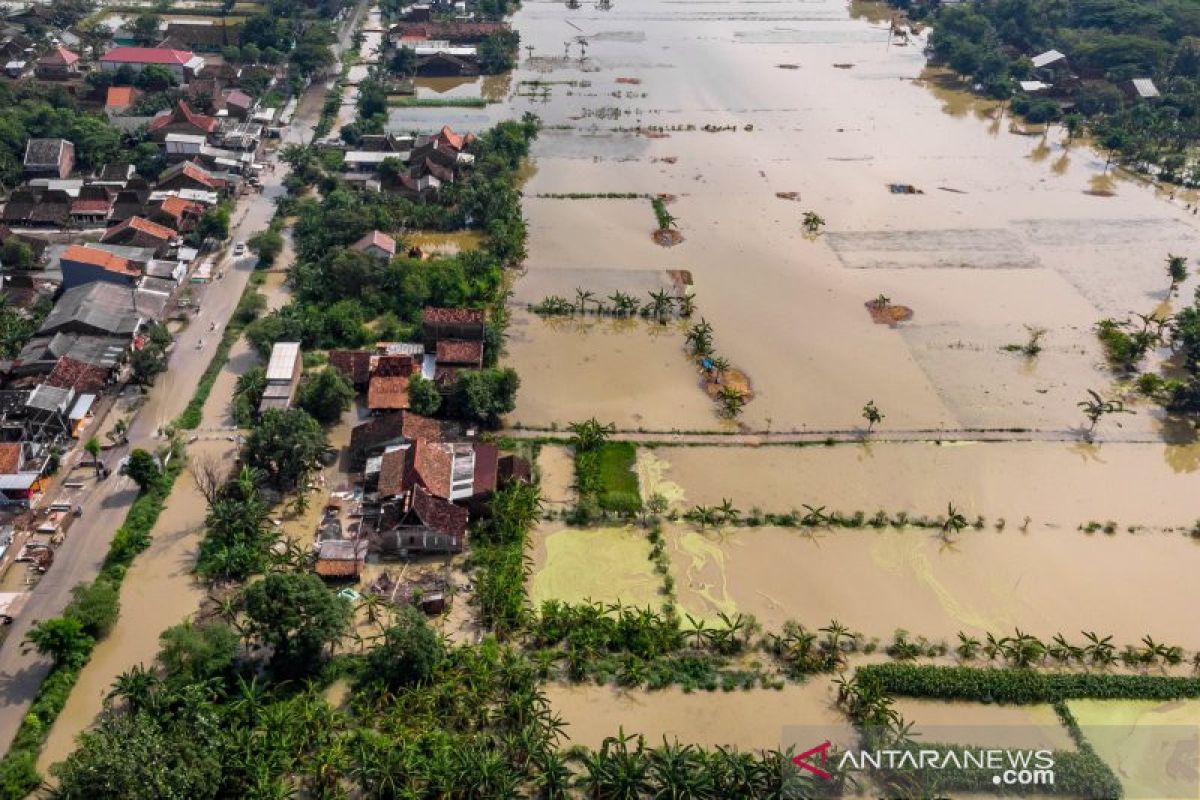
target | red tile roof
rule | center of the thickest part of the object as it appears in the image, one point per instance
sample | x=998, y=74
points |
x=393, y=366
x=141, y=225
x=451, y=138
x=71, y=374
x=487, y=467
x=452, y=314
x=10, y=457
x=378, y=239
x=439, y=514
x=182, y=113
x=194, y=171
x=59, y=57
x=177, y=207
x=459, y=351
x=147, y=55
x=101, y=258
x=120, y=97
x=387, y=392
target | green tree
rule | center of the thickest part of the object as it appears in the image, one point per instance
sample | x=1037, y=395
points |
x=423, y=396
x=143, y=468
x=195, y=652
x=267, y=245
x=410, y=653
x=296, y=616
x=404, y=62
x=145, y=364
x=145, y=28
x=1176, y=271
x=485, y=395
x=590, y=434
x=16, y=254
x=326, y=396
x=872, y=414
x=97, y=605
x=63, y=639
x=247, y=395
x=214, y=224
x=285, y=446
x=154, y=79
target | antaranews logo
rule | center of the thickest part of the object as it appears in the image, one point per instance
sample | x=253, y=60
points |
x=1009, y=767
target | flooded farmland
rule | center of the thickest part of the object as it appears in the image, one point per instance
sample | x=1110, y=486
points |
x=689, y=100
x=1044, y=582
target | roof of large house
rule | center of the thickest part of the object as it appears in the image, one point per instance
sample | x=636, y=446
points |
x=378, y=239
x=142, y=225
x=438, y=513
x=444, y=315
x=99, y=304
x=177, y=207
x=391, y=366
x=403, y=424
x=44, y=151
x=59, y=57
x=101, y=258
x=340, y=558
x=148, y=55
x=394, y=470
x=238, y=98
x=459, y=351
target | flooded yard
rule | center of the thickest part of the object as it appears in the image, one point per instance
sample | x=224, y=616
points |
x=1044, y=582
x=984, y=725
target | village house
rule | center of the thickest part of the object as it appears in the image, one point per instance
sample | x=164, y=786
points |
x=93, y=206
x=183, y=64
x=387, y=389
x=190, y=175
x=205, y=36
x=373, y=437
x=178, y=213
x=120, y=99
x=59, y=64
x=181, y=119
x=33, y=207
x=42, y=354
x=49, y=158
x=355, y=366
x=453, y=339
x=81, y=265
x=455, y=32
x=140, y=232
x=377, y=244
x=99, y=308
x=418, y=523
x=21, y=479
x=283, y=376
x=440, y=59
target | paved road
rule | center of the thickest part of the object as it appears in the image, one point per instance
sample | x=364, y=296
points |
x=79, y=558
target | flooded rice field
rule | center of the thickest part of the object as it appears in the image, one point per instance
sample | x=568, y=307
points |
x=1152, y=746
x=601, y=564
x=1055, y=484
x=688, y=99
x=985, y=725
x=1044, y=581
x=749, y=720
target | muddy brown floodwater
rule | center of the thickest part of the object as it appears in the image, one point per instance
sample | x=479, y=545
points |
x=1008, y=230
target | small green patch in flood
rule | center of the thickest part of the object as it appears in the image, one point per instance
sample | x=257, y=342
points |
x=603, y=564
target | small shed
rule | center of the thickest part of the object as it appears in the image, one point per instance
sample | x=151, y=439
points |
x=283, y=376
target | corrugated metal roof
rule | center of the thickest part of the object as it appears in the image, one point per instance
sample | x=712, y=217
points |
x=1145, y=87
x=282, y=365
x=1048, y=57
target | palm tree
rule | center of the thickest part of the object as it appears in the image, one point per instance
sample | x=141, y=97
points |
x=718, y=365
x=117, y=434
x=727, y=510
x=968, y=647
x=1098, y=650
x=1176, y=271
x=813, y=222
x=697, y=633
x=732, y=401
x=93, y=449
x=623, y=304
x=136, y=686
x=814, y=517
x=590, y=434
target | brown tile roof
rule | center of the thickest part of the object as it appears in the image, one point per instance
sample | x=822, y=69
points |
x=460, y=351
x=59, y=57
x=354, y=364
x=71, y=374
x=387, y=392
x=394, y=475
x=453, y=315
x=439, y=514
x=487, y=467
x=445, y=375
x=10, y=457
x=177, y=207
x=90, y=206
x=101, y=258
x=393, y=366
x=431, y=463
x=399, y=425
x=181, y=114
x=415, y=426
x=378, y=239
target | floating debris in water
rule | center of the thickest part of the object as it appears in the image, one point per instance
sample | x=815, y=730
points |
x=843, y=66
x=788, y=66
x=788, y=196
x=633, y=81
x=904, y=188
